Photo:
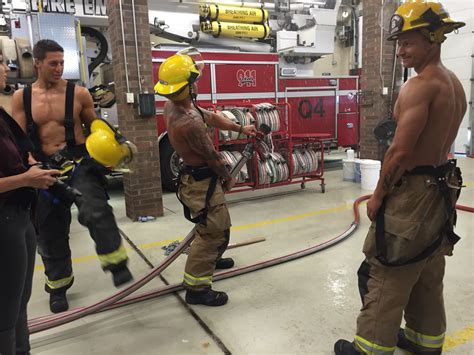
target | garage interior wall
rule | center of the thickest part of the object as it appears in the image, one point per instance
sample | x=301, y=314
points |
x=457, y=55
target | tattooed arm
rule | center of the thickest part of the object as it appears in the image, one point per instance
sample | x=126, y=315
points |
x=413, y=111
x=218, y=120
x=200, y=143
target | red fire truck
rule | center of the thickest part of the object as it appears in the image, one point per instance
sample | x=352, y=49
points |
x=314, y=112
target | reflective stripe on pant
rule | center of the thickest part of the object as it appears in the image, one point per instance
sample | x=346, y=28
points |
x=59, y=284
x=423, y=340
x=117, y=257
x=371, y=348
x=415, y=289
x=54, y=218
x=211, y=240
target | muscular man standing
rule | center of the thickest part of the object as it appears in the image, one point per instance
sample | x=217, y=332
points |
x=413, y=207
x=203, y=178
x=53, y=111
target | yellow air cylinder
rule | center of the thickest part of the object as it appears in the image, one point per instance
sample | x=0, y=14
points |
x=226, y=13
x=232, y=29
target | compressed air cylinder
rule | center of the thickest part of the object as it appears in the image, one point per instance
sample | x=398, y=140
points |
x=227, y=13
x=233, y=29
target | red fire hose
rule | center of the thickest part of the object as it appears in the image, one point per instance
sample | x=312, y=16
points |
x=120, y=299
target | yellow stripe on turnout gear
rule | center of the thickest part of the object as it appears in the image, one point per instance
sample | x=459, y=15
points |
x=425, y=341
x=197, y=281
x=114, y=257
x=370, y=348
x=55, y=284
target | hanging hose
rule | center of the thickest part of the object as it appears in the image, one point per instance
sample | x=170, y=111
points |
x=104, y=47
x=119, y=299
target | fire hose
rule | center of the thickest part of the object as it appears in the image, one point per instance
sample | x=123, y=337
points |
x=121, y=298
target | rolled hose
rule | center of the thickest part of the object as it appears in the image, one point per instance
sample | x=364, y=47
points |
x=120, y=299
x=104, y=47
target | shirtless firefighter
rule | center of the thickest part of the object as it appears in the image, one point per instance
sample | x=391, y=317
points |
x=53, y=111
x=413, y=207
x=203, y=173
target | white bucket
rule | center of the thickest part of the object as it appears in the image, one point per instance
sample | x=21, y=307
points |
x=348, y=170
x=350, y=154
x=357, y=170
x=369, y=173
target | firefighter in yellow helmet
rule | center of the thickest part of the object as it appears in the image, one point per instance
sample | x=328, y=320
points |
x=413, y=207
x=177, y=75
x=203, y=177
x=429, y=18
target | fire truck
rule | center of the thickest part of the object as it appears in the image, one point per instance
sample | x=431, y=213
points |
x=266, y=63
x=259, y=68
x=314, y=111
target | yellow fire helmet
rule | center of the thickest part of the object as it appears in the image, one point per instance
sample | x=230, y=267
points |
x=429, y=17
x=178, y=72
x=108, y=147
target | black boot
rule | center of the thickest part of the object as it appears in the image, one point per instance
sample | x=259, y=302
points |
x=225, y=263
x=121, y=276
x=344, y=347
x=405, y=344
x=58, y=302
x=207, y=297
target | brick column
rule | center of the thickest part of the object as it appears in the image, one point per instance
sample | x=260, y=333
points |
x=143, y=195
x=375, y=105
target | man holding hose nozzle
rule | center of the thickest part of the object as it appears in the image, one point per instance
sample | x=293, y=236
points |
x=52, y=112
x=413, y=207
x=204, y=178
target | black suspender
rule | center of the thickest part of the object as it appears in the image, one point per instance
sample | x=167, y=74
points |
x=69, y=116
x=201, y=218
x=31, y=127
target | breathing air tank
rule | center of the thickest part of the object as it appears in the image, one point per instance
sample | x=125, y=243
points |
x=233, y=29
x=227, y=13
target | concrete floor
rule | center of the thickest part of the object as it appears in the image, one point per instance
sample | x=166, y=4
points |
x=299, y=307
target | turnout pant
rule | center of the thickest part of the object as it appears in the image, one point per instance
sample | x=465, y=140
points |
x=54, y=219
x=415, y=215
x=17, y=260
x=211, y=240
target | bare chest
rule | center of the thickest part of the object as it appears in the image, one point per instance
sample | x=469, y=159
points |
x=50, y=107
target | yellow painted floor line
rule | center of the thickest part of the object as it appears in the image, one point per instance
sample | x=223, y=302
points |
x=461, y=337
x=339, y=208
x=83, y=259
